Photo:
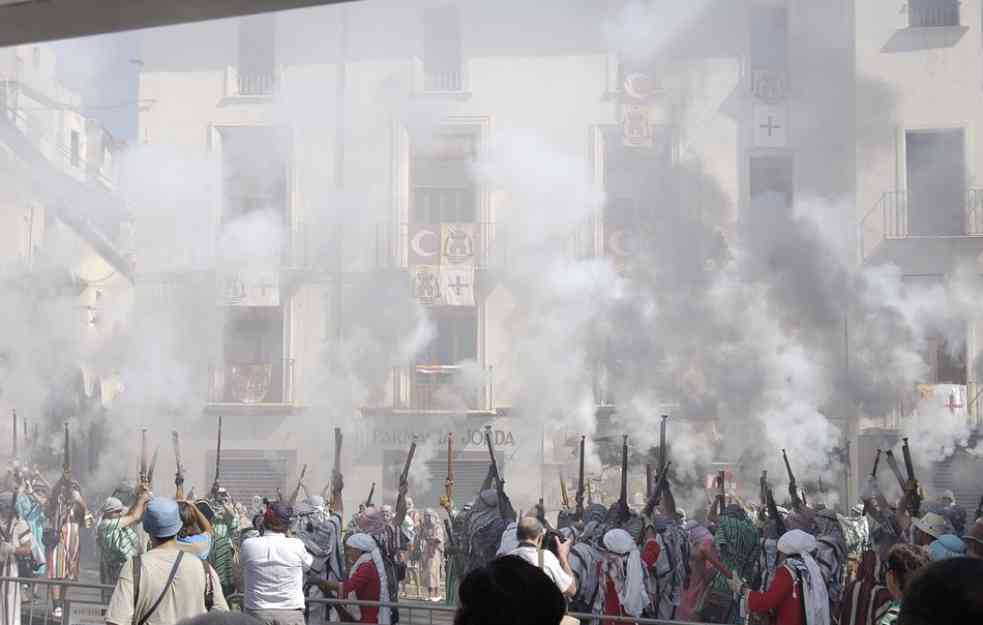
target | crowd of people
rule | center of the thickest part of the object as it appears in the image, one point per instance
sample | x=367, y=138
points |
x=174, y=558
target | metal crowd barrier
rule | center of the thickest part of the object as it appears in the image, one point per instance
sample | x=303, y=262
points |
x=84, y=604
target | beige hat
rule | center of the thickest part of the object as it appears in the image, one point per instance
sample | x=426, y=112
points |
x=932, y=524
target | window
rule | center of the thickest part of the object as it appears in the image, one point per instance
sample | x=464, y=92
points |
x=456, y=339
x=257, y=54
x=936, y=171
x=928, y=13
x=442, y=49
x=440, y=169
x=254, y=171
x=769, y=37
x=74, y=149
x=771, y=176
x=254, y=368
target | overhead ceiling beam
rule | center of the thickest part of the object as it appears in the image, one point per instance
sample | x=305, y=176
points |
x=28, y=21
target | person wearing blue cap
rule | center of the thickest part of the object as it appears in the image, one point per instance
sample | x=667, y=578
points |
x=163, y=586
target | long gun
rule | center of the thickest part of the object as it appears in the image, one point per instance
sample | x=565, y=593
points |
x=339, y=440
x=877, y=462
x=449, y=480
x=153, y=466
x=368, y=502
x=656, y=496
x=892, y=464
x=912, y=485
x=300, y=484
x=763, y=489
x=623, y=493
x=648, y=480
x=504, y=505
x=721, y=492
x=663, y=442
x=66, y=464
x=564, y=495
x=793, y=489
x=142, y=471
x=178, y=464
x=773, y=512
x=450, y=535
x=218, y=459
x=580, y=482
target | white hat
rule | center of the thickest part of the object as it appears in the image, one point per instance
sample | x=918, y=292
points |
x=932, y=524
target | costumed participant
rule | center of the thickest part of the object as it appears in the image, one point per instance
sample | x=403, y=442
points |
x=485, y=526
x=67, y=514
x=321, y=534
x=702, y=554
x=622, y=573
x=867, y=598
x=671, y=571
x=369, y=581
x=737, y=544
x=15, y=542
x=831, y=555
x=798, y=593
x=226, y=526
x=455, y=550
x=31, y=504
x=432, y=540
x=952, y=511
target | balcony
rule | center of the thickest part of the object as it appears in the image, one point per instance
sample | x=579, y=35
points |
x=441, y=388
x=253, y=384
x=887, y=234
x=249, y=86
x=933, y=13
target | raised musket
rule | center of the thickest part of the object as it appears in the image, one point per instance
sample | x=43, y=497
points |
x=143, y=458
x=449, y=480
x=580, y=482
x=663, y=445
x=911, y=487
x=564, y=495
x=721, y=491
x=300, y=483
x=178, y=463
x=623, y=493
x=793, y=489
x=773, y=512
x=218, y=459
x=656, y=496
x=66, y=465
x=368, y=502
x=152, y=467
x=892, y=464
x=339, y=439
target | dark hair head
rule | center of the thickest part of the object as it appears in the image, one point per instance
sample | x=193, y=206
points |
x=947, y=591
x=189, y=521
x=904, y=560
x=509, y=591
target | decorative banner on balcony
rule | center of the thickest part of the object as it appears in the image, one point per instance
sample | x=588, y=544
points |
x=620, y=230
x=457, y=285
x=248, y=384
x=942, y=399
x=426, y=284
x=424, y=244
x=770, y=126
x=249, y=287
x=637, y=94
x=459, y=244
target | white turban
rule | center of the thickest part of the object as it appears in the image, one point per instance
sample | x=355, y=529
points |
x=624, y=566
x=370, y=552
x=816, y=597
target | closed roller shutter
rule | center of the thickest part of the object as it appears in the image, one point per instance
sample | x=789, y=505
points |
x=470, y=469
x=960, y=473
x=248, y=472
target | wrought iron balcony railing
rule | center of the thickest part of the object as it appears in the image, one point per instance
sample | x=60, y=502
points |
x=268, y=382
x=440, y=387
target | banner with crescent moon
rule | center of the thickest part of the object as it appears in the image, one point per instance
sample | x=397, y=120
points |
x=424, y=244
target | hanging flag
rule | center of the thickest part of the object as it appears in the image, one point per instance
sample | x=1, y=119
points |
x=459, y=244
x=426, y=284
x=457, y=285
x=424, y=244
x=934, y=398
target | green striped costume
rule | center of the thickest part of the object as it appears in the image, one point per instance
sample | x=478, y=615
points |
x=736, y=541
x=223, y=555
x=117, y=544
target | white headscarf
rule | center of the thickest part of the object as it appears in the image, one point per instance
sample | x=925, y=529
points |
x=623, y=564
x=510, y=542
x=816, y=599
x=370, y=552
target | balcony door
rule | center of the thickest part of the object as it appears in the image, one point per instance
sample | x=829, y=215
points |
x=936, y=170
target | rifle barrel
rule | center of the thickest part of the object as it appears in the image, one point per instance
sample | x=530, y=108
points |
x=218, y=451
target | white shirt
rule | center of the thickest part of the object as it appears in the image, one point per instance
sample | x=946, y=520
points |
x=273, y=572
x=551, y=566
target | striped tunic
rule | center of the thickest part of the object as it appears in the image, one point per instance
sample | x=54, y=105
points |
x=117, y=544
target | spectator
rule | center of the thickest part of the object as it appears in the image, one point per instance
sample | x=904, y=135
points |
x=163, y=586
x=929, y=528
x=509, y=590
x=273, y=567
x=195, y=536
x=946, y=546
x=530, y=533
x=943, y=593
x=902, y=563
x=974, y=540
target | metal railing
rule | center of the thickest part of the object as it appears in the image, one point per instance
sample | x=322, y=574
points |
x=438, y=387
x=442, y=79
x=38, y=606
x=933, y=13
x=889, y=218
x=256, y=83
x=269, y=382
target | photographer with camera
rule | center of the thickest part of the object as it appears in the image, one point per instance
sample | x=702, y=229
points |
x=531, y=533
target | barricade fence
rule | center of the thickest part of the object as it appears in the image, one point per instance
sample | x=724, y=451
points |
x=84, y=604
